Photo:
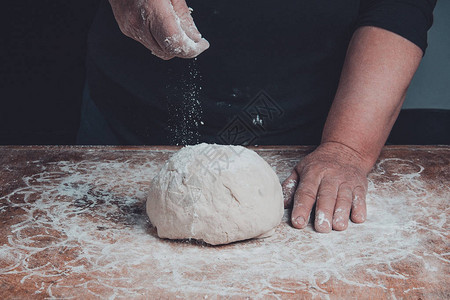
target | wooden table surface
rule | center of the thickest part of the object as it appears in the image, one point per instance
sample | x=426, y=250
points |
x=73, y=225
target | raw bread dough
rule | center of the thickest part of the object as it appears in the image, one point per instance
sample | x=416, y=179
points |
x=215, y=193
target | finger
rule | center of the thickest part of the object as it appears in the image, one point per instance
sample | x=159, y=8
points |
x=342, y=208
x=289, y=186
x=187, y=22
x=150, y=43
x=304, y=199
x=326, y=200
x=165, y=27
x=137, y=28
x=359, y=211
x=182, y=46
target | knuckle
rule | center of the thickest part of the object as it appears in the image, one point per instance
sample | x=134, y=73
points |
x=327, y=192
x=307, y=193
x=359, y=189
x=359, y=198
x=298, y=204
x=346, y=186
x=327, y=211
x=341, y=212
x=325, y=198
x=344, y=199
x=345, y=194
x=358, y=203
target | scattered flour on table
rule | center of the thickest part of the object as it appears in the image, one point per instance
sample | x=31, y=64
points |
x=87, y=219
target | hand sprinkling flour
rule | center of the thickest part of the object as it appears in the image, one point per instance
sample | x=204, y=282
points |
x=165, y=27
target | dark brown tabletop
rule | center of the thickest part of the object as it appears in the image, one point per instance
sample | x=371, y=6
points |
x=73, y=225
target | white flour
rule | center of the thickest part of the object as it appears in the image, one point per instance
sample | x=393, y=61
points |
x=185, y=109
x=84, y=227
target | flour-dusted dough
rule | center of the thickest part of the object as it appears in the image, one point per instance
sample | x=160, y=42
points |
x=215, y=193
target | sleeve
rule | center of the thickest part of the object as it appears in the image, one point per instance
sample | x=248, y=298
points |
x=410, y=19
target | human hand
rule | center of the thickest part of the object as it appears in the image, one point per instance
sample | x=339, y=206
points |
x=165, y=27
x=334, y=175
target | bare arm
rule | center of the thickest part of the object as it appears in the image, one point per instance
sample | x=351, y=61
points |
x=377, y=71
x=376, y=75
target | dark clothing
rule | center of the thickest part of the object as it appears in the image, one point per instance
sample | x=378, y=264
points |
x=269, y=76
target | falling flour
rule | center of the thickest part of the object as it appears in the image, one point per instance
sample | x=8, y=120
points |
x=185, y=109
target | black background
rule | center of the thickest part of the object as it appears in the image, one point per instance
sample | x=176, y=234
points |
x=42, y=69
x=42, y=72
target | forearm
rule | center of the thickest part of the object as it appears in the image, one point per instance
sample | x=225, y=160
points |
x=377, y=71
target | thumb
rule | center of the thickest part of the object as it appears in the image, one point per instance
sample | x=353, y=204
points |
x=186, y=21
x=165, y=27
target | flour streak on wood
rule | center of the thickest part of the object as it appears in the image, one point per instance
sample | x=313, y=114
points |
x=74, y=219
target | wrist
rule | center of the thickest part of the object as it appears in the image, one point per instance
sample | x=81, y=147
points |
x=352, y=155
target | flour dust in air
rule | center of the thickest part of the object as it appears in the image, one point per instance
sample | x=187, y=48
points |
x=185, y=110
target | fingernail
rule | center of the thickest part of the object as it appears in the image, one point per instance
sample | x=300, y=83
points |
x=339, y=224
x=299, y=221
x=359, y=217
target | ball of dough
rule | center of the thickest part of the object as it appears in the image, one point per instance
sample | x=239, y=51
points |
x=215, y=193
